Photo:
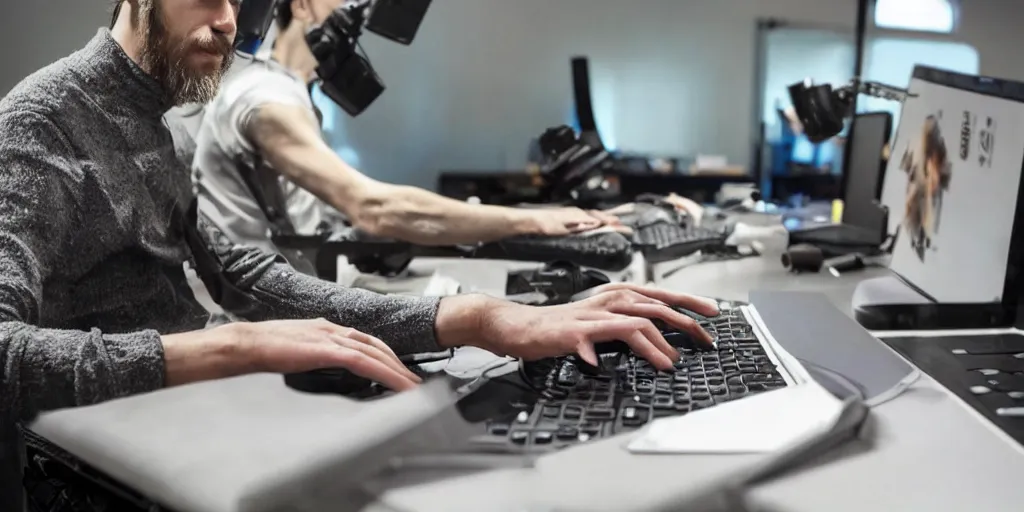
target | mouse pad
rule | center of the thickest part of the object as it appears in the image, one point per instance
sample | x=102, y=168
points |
x=982, y=370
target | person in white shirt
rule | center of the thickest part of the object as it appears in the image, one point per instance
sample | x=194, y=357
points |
x=263, y=124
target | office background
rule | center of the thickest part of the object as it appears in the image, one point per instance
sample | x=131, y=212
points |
x=669, y=77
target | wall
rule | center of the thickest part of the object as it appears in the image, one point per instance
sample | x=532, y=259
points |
x=36, y=32
x=484, y=76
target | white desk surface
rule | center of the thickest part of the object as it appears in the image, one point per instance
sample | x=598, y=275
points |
x=923, y=451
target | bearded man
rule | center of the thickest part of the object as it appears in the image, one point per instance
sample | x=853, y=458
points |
x=94, y=302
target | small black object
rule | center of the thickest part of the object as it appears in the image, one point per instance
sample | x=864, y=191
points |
x=559, y=281
x=338, y=381
x=803, y=258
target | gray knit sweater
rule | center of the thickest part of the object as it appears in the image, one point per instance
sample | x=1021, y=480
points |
x=91, y=247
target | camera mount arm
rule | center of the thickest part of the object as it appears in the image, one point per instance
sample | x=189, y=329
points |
x=822, y=109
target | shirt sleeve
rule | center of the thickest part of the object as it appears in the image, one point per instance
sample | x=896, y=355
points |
x=45, y=369
x=241, y=97
x=257, y=286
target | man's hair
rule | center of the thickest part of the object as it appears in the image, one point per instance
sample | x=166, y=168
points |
x=284, y=14
x=116, y=13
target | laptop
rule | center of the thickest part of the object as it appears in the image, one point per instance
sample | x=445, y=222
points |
x=863, y=222
x=953, y=188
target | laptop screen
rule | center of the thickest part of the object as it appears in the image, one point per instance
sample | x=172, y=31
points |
x=863, y=176
x=952, y=185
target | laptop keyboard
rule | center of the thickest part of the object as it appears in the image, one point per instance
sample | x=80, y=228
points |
x=665, y=241
x=577, y=407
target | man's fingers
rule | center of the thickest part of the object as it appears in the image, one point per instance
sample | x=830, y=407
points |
x=631, y=331
x=365, y=366
x=703, y=307
x=384, y=348
x=669, y=316
x=605, y=218
x=376, y=354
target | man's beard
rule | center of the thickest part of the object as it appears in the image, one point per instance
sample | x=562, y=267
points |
x=166, y=60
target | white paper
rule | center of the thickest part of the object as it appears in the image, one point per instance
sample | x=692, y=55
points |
x=760, y=423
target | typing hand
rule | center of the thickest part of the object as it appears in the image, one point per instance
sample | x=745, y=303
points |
x=293, y=346
x=615, y=311
x=566, y=221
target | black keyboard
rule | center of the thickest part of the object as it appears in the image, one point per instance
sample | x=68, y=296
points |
x=666, y=241
x=610, y=251
x=572, y=406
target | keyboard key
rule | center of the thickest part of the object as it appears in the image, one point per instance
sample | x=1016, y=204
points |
x=600, y=413
x=572, y=412
x=499, y=429
x=542, y=437
x=519, y=436
x=663, y=402
x=552, y=411
x=635, y=417
x=567, y=433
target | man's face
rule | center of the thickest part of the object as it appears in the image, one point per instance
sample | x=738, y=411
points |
x=188, y=45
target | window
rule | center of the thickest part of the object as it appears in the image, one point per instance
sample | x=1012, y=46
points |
x=891, y=61
x=921, y=15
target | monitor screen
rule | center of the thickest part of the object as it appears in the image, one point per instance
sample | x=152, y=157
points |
x=952, y=186
x=863, y=176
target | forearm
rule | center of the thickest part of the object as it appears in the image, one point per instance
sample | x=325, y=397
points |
x=469, y=321
x=47, y=369
x=422, y=217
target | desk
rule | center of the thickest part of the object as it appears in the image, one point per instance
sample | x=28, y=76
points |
x=923, y=451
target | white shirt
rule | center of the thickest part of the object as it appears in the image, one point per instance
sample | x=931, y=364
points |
x=223, y=154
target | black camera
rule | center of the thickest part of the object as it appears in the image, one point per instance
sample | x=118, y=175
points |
x=820, y=109
x=346, y=76
x=823, y=110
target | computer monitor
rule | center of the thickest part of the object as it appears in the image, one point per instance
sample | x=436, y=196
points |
x=862, y=179
x=953, y=188
x=583, y=103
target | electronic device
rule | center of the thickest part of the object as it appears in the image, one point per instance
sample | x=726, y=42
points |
x=985, y=371
x=573, y=170
x=822, y=111
x=555, y=403
x=345, y=76
x=663, y=233
x=603, y=249
x=555, y=283
x=953, y=188
x=667, y=241
x=584, y=104
x=574, y=165
x=864, y=222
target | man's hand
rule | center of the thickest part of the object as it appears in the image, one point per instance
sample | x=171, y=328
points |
x=284, y=346
x=614, y=312
x=566, y=221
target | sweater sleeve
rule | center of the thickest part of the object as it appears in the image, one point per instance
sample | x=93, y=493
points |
x=264, y=287
x=45, y=369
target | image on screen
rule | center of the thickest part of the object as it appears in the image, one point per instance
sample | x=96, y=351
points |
x=951, y=187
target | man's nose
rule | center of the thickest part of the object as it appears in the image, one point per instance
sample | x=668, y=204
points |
x=226, y=18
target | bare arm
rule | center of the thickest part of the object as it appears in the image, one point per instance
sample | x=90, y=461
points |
x=289, y=139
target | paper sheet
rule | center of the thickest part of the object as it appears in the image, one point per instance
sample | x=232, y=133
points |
x=759, y=423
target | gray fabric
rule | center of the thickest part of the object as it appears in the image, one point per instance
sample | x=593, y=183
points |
x=92, y=252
